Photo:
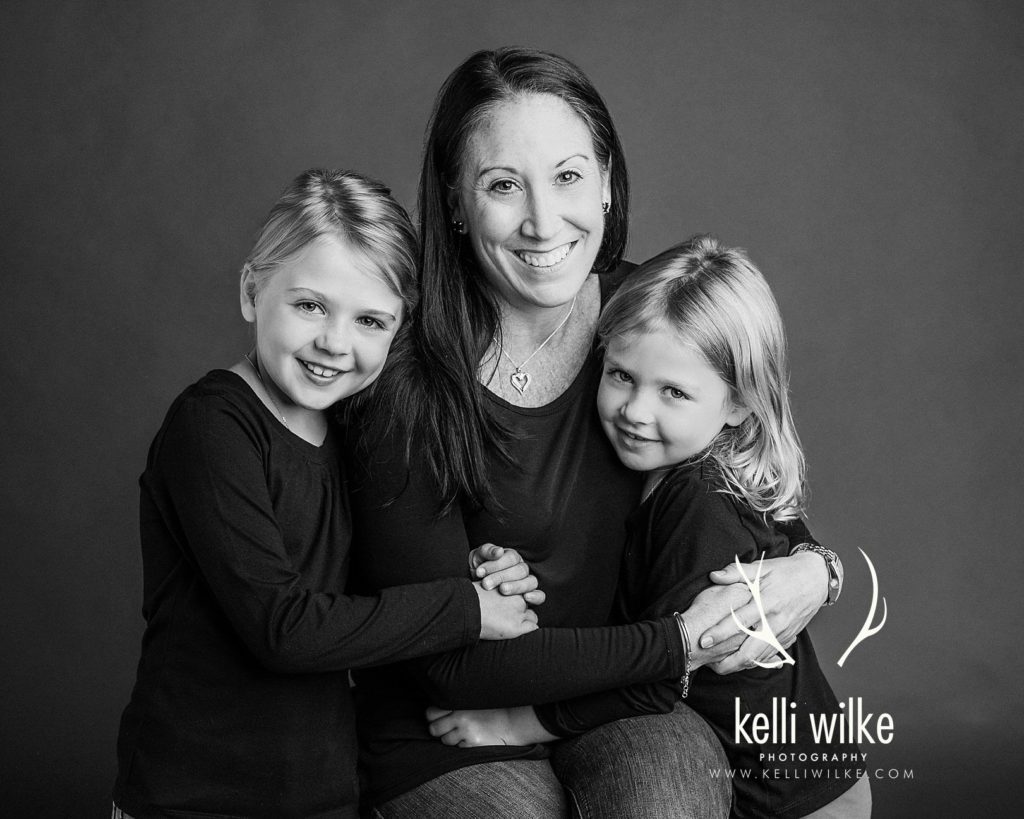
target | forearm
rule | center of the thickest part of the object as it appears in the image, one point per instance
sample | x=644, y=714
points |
x=309, y=632
x=553, y=664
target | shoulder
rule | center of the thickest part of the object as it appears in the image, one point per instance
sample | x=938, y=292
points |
x=217, y=409
x=690, y=498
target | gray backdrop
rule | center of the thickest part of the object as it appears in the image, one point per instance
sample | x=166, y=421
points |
x=867, y=154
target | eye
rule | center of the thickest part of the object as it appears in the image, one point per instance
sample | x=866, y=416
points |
x=313, y=308
x=675, y=393
x=371, y=322
x=569, y=176
x=503, y=186
x=619, y=375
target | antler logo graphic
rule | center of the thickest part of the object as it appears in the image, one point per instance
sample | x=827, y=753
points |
x=764, y=632
x=867, y=629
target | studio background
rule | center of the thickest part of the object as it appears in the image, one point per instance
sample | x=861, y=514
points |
x=868, y=155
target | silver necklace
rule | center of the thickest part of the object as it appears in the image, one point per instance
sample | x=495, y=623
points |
x=266, y=389
x=520, y=379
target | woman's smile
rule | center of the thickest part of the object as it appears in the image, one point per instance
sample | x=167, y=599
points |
x=546, y=259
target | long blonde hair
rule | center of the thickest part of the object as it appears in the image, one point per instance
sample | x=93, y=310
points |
x=714, y=298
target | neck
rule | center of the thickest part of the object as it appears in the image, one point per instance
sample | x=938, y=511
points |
x=530, y=325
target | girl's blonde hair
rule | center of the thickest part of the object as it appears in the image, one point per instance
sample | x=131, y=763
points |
x=715, y=299
x=357, y=209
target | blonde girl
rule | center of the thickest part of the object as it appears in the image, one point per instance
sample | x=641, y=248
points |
x=241, y=704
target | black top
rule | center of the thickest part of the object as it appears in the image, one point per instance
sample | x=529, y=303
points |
x=241, y=705
x=684, y=530
x=565, y=503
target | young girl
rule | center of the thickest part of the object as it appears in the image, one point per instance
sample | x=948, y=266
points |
x=694, y=394
x=241, y=705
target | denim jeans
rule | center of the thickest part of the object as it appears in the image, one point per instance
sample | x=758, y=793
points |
x=638, y=768
x=512, y=789
x=655, y=767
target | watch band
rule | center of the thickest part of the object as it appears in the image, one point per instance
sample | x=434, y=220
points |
x=835, y=583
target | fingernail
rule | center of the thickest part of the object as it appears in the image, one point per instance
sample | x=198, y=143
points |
x=707, y=641
x=480, y=571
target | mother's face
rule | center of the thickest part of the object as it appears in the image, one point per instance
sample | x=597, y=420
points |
x=530, y=195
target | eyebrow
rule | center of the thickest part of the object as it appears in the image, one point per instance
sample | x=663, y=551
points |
x=509, y=169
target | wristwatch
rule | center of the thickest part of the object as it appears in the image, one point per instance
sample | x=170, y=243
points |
x=835, y=582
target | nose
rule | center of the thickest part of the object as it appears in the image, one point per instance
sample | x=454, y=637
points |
x=543, y=219
x=335, y=337
x=635, y=409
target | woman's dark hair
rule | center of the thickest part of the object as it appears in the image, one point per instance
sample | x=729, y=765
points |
x=443, y=405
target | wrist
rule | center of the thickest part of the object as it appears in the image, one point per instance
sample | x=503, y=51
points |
x=688, y=664
x=833, y=569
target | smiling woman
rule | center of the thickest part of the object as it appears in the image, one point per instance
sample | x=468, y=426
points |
x=523, y=200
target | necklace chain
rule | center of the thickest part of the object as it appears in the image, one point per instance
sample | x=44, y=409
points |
x=520, y=379
x=266, y=389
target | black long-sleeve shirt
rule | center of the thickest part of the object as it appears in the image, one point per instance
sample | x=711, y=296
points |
x=565, y=499
x=684, y=530
x=242, y=704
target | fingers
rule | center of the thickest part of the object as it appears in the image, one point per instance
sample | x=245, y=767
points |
x=745, y=656
x=726, y=575
x=440, y=727
x=726, y=627
x=512, y=574
x=535, y=598
x=512, y=587
x=433, y=713
x=500, y=561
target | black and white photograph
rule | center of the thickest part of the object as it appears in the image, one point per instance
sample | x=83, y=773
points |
x=512, y=410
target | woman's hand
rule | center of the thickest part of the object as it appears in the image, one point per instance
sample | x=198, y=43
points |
x=492, y=726
x=506, y=571
x=503, y=617
x=792, y=590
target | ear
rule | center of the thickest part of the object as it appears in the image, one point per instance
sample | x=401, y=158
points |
x=455, y=205
x=247, y=295
x=737, y=415
x=606, y=183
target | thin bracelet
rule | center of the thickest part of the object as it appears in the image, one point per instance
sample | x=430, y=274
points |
x=687, y=652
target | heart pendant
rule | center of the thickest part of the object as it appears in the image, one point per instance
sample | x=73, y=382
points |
x=520, y=380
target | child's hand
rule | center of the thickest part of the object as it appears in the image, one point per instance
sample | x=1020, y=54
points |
x=493, y=726
x=503, y=617
x=505, y=570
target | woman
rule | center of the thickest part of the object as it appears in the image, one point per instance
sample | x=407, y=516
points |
x=523, y=202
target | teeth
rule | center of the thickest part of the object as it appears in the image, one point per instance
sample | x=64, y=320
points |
x=549, y=259
x=323, y=372
x=634, y=437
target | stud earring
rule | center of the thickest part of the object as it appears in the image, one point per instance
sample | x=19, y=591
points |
x=606, y=206
x=458, y=226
